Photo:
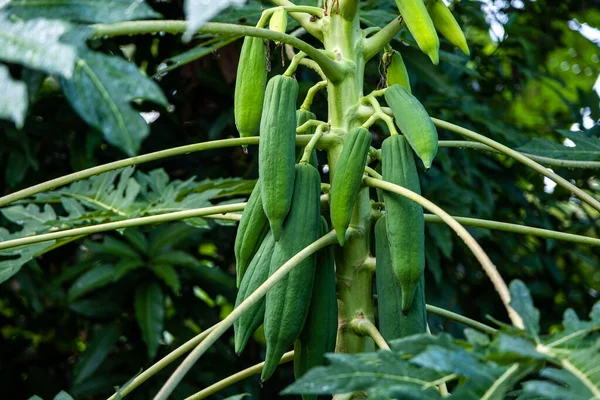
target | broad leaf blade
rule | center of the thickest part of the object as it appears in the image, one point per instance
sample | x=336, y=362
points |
x=11, y=260
x=587, y=148
x=93, y=279
x=62, y=395
x=101, y=193
x=197, y=12
x=102, y=11
x=35, y=44
x=13, y=102
x=96, y=351
x=523, y=304
x=149, y=313
x=101, y=92
x=348, y=373
x=169, y=276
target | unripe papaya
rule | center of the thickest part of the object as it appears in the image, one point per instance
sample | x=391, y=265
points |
x=395, y=72
x=405, y=222
x=320, y=329
x=347, y=179
x=250, y=86
x=252, y=229
x=288, y=301
x=445, y=22
x=421, y=27
x=393, y=323
x=414, y=122
x=277, y=149
x=278, y=21
x=256, y=275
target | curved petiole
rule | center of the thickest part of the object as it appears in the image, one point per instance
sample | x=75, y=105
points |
x=330, y=68
x=230, y=380
x=326, y=240
x=302, y=140
x=311, y=145
x=481, y=256
x=111, y=226
x=310, y=95
x=365, y=327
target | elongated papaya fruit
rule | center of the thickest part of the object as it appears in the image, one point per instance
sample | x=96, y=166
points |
x=395, y=72
x=414, y=122
x=277, y=149
x=421, y=27
x=405, y=223
x=446, y=24
x=320, y=329
x=393, y=323
x=278, y=21
x=250, y=86
x=257, y=274
x=288, y=301
x=303, y=116
x=347, y=179
x=252, y=229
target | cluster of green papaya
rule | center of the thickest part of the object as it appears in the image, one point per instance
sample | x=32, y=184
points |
x=282, y=217
x=283, y=213
x=423, y=17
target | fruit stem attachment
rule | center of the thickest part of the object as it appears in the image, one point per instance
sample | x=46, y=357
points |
x=378, y=41
x=364, y=327
x=378, y=114
x=373, y=173
x=294, y=64
x=310, y=95
x=309, y=124
x=311, y=145
x=266, y=14
x=315, y=28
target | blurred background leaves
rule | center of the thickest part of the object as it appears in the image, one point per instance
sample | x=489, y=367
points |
x=88, y=315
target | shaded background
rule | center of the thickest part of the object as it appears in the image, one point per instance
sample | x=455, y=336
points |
x=531, y=73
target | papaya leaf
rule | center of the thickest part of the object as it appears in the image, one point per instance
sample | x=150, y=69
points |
x=101, y=11
x=30, y=217
x=11, y=260
x=149, y=313
x=162, y=196
x=113, y=192
x=523, y=304
x=102, y=90
x=587, y=148
x=580, y=378
x=198, y=12
x=13, y=102
x=62, y=395
x=35, y=44
x=366, y=371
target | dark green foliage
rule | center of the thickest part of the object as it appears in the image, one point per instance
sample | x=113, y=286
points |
x=486, y=366
x=514, y=91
